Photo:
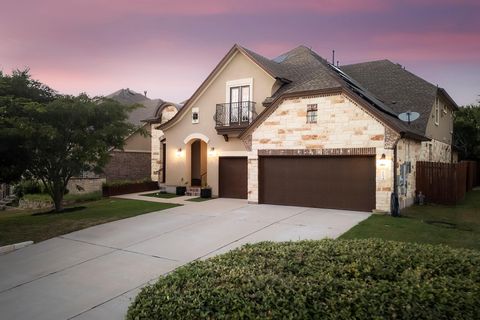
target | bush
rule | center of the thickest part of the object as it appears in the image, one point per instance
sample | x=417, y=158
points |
x=118, y=183
x=28, y=187
x=328, y=279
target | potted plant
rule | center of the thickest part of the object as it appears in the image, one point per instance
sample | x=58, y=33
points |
x=206, y=192
x=180, y=190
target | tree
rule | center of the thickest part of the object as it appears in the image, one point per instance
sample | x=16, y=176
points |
x=467, y=132
x=62, y=136
x=17, y=90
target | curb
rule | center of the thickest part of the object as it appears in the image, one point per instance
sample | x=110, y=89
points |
x=13, y=247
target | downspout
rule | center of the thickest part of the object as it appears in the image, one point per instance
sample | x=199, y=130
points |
x=394, y=203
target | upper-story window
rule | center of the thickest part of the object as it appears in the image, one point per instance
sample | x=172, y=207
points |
x=239, y=104
x=311, y=113
x=437, y=111
x=444, y=110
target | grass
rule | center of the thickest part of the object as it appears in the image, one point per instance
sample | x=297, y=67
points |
x=23, y=225
x=199, y=199
x=72, y=198
x=456, y=226
x=161, y=195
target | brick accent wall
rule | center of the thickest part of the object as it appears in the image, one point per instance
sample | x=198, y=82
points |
x=341, y=125
x=128, y=166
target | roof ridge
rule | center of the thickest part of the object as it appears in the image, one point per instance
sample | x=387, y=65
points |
x=370, y=61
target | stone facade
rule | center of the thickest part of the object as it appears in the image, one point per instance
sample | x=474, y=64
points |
x=128, y=166
x=157, y=137
x=436, y=151
x=85, y=185
x=408, y=151
x=341, y=123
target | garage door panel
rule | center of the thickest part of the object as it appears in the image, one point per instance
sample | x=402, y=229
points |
x=325, y=182
x=233, y=177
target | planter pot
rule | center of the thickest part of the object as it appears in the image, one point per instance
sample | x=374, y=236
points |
x=206, y=193
x=180, y=191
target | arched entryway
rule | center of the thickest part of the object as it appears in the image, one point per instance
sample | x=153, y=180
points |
x=198, y=162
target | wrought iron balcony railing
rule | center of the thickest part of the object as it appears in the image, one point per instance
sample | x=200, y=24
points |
x=235, y=114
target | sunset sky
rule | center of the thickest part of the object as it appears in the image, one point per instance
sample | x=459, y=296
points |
x=168, y=47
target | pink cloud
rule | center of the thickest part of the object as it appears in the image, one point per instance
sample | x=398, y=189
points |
x=95, y=10
x=432, y=46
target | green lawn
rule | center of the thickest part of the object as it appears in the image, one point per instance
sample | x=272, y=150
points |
x=456, y=226
x=161, y=195
x=22, y=225
x=69, y=198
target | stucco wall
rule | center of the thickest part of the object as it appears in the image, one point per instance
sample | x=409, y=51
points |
x=178, y=165
x=138, y=142
x=341, y=124
x=443, y=131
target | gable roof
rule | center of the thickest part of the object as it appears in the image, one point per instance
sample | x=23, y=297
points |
x=307, y=72
x=261, y=61
x=398, y=88
x=301, y=71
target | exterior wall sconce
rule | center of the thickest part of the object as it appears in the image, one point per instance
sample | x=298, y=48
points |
x=179, y=152
x=211, y=152
x=382, y=162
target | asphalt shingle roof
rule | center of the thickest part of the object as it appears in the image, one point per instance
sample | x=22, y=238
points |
x=383, y=84
x=149, y=107
x=396, y=87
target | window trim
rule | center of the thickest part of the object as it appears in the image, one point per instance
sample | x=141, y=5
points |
x=195, y=111
x=437, y=112
x=312, y=113
x=238, y=83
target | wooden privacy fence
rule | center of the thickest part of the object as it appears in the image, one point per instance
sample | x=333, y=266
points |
x=472, y=177
x=442, y=183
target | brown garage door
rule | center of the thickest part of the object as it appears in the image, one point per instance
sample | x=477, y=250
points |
x=233, y=177
x=321, y=182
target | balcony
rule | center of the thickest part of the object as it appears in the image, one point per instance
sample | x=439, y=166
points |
x=232, y=118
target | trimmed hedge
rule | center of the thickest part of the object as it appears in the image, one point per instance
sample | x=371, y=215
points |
x=327, y=279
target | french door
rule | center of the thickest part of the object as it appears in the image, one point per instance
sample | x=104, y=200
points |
x=239, y=104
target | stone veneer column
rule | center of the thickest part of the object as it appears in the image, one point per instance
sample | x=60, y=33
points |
x=253, y=178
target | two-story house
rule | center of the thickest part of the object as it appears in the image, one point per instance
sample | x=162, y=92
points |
x=297, y=130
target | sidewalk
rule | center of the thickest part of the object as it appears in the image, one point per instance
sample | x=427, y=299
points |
x=141, y=196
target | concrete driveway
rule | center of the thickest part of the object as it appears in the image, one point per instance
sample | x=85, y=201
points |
x=94, y=273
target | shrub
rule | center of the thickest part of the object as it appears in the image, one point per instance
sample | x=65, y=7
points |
x=328, y=279
x=117, y=183
x=28, y=187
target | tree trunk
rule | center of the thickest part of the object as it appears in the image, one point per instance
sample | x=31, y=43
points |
x=58, y=192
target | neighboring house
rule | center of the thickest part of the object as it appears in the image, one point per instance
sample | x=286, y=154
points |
x=136, y=160
x=296, y=130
